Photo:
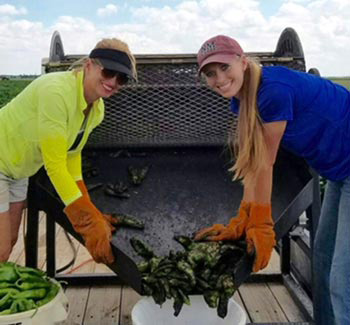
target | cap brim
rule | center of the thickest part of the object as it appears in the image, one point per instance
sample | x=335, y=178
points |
x=216, y=58
x=116, y=66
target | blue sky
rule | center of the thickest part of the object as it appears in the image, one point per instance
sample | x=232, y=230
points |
x=173, y=26
x=87, y=9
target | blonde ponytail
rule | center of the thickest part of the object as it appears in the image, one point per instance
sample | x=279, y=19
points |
x=248, y=144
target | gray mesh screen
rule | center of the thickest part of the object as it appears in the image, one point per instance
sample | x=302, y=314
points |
x=169, y=106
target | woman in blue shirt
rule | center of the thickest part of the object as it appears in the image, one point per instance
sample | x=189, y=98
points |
x=309, y=116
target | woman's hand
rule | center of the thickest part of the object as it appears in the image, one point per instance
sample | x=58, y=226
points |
x=233, y=231
x=260, y=236
x=89, y=222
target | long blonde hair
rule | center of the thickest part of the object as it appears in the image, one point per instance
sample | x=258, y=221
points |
x=109, y=43
x=248, y=143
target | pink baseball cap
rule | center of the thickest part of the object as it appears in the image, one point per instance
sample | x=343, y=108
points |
x=220, y=49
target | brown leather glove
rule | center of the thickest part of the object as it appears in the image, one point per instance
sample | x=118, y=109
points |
x=83, y=189
x=88, y=221
x=233, y=231
x=260, y=235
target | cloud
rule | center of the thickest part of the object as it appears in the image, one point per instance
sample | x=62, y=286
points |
x=322, y=27
x=10, y=10
x=108, y=10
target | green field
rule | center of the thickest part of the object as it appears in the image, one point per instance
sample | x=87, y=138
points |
x=344, y=81
x=10, y=88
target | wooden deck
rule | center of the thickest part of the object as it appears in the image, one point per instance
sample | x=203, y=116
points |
x=112, y=304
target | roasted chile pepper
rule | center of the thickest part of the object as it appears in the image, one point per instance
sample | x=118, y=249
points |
x=137, y=175
x=118, y=219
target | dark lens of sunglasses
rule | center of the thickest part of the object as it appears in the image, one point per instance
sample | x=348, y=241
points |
x=108, y=74
x=122, y=78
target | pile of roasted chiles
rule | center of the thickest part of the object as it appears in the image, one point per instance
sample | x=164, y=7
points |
x=204, y=268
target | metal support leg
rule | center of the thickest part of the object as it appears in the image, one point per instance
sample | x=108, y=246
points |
x=50, y=246
x=313, y=215
x=285, y=254
x=31, y=238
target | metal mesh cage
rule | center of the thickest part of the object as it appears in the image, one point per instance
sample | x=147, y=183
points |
x=169, y=105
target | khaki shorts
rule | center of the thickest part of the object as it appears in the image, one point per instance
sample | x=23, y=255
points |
x=12, y=190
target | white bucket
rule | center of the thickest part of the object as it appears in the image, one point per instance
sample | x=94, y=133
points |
x=49, y=314
x=147, y=312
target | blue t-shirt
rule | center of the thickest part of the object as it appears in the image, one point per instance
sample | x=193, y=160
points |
x=317, y=112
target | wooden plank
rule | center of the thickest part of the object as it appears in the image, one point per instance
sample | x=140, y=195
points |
x=261, y=304
x=129, y=298
x=286, y=302
x=237, y=297
x=103, y=305
x=77, y=297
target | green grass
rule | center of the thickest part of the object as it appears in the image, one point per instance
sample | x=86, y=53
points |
x=10, y=88
x=344, y=81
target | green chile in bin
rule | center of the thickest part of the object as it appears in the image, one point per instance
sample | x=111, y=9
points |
x=8, y=272
x=24, y=288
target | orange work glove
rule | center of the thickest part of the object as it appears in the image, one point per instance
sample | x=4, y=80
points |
x=88, y=221
x=260, y=236
x=233, y=231
x=83, y=189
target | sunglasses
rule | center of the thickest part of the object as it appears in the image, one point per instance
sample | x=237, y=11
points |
x=121, y=77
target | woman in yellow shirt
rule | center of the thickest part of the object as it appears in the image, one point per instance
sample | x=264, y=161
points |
x=48, y=124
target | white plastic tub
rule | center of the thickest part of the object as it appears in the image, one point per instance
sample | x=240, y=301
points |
x=49, y=314
x=147, y=312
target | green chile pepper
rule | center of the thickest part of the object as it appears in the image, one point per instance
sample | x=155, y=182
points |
x=5, y=312
x=21, y=305
x=27, y=277
x=5, y=291
x=29, y=304
x=25, y=269
x=50, y=295
x=4, y=302
x=4, y=285
x=8, y=272
x=15, y=306
x=31, y=285
x=34, y=294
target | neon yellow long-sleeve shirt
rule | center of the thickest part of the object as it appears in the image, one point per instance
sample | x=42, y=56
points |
x=40, y=125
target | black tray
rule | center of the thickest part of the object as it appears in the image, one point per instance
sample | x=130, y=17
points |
x=185, y=189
